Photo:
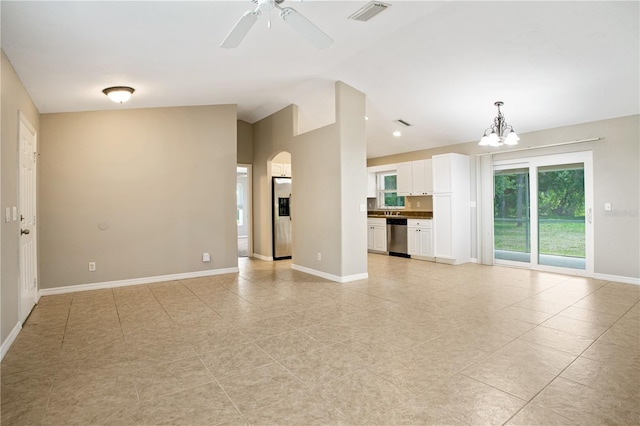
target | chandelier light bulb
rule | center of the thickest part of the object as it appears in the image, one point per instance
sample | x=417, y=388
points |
x=511, y=139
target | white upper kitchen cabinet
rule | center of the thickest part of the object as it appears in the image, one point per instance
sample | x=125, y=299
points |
x=415, y=178
x=404, y=176
x=422, y=173
x=281, y=169
x=452, y=208
x=371, y=185
x=442, y=171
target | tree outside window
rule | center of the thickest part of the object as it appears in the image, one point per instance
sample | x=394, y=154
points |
x=387, y=191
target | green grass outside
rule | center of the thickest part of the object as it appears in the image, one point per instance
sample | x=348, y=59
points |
x=556, y=238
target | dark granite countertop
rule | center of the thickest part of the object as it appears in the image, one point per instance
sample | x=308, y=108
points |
x=401, y=215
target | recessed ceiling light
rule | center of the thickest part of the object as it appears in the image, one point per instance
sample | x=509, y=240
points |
x=119, y=94
x=397, y=133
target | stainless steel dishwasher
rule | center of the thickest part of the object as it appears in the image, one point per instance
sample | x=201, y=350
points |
x=397, y=237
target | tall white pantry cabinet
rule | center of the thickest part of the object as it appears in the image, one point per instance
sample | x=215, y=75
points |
x=452, y=208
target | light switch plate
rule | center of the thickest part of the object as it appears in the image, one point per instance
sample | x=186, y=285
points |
x=607, y=207
x=15, y=213
x=363, y=207
x=7, y=214
x=206, y=257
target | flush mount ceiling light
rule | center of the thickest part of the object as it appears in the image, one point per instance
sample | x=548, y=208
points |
x=499, y=132
x=119, y=94
x=397, y=133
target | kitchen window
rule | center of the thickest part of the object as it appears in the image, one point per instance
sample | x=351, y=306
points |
x=388, y=197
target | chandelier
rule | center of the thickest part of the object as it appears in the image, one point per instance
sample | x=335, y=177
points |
x=499, y=132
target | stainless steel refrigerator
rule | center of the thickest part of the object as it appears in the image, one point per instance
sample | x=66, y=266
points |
x=281, y=202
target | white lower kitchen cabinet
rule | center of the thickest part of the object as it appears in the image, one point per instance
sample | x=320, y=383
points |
x=420, y=238
x=377, y=235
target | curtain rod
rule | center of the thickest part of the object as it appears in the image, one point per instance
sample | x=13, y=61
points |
x=548, y=146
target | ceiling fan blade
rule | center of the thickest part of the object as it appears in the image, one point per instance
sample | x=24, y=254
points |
x=240, y=30
x=305, y=28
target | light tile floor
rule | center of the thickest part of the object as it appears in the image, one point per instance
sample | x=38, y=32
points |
x=417, y=343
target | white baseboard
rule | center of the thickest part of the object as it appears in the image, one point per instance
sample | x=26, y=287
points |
x=426, y=258
x=261, y=257
x=9, y=340
x=617, y=278
x=136, y=281
x=331, y=277
x=473, y=260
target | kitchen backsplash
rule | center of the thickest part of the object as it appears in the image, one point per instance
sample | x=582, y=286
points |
x=411, y=203
x=426, y=203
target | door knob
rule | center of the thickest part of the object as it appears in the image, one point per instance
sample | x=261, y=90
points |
x=24, y=231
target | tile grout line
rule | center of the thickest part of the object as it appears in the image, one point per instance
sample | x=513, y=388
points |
x=115, y=301
x=571, y=363
x=55, y=378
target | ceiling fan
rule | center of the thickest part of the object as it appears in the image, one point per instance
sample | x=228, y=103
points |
x=289, y=15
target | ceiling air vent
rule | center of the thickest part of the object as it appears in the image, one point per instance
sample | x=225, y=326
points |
x=369, y=10
x=404, y=123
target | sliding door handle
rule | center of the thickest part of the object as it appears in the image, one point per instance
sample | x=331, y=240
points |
x=590, y=215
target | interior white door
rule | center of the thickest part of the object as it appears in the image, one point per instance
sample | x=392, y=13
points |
x=27, y=194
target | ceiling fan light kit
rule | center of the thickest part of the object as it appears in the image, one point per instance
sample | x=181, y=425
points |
x=499, y=132
x=297, y=21
x=119, y=94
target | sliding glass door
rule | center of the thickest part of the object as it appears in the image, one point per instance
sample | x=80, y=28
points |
x=542, y=212
x=561, y=216
x=511, y=216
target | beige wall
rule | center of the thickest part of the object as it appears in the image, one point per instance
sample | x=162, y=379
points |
x=350, y=119
x=14, y=98
x=616, y=175
x=271, y=136
x=162, y=181
x=329, y=184
x=245, y=142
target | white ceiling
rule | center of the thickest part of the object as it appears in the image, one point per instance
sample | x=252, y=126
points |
x=438, y=65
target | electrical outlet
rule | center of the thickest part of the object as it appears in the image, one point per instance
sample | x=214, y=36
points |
x=206, y=257
x=319, y=256
x=92, y=266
